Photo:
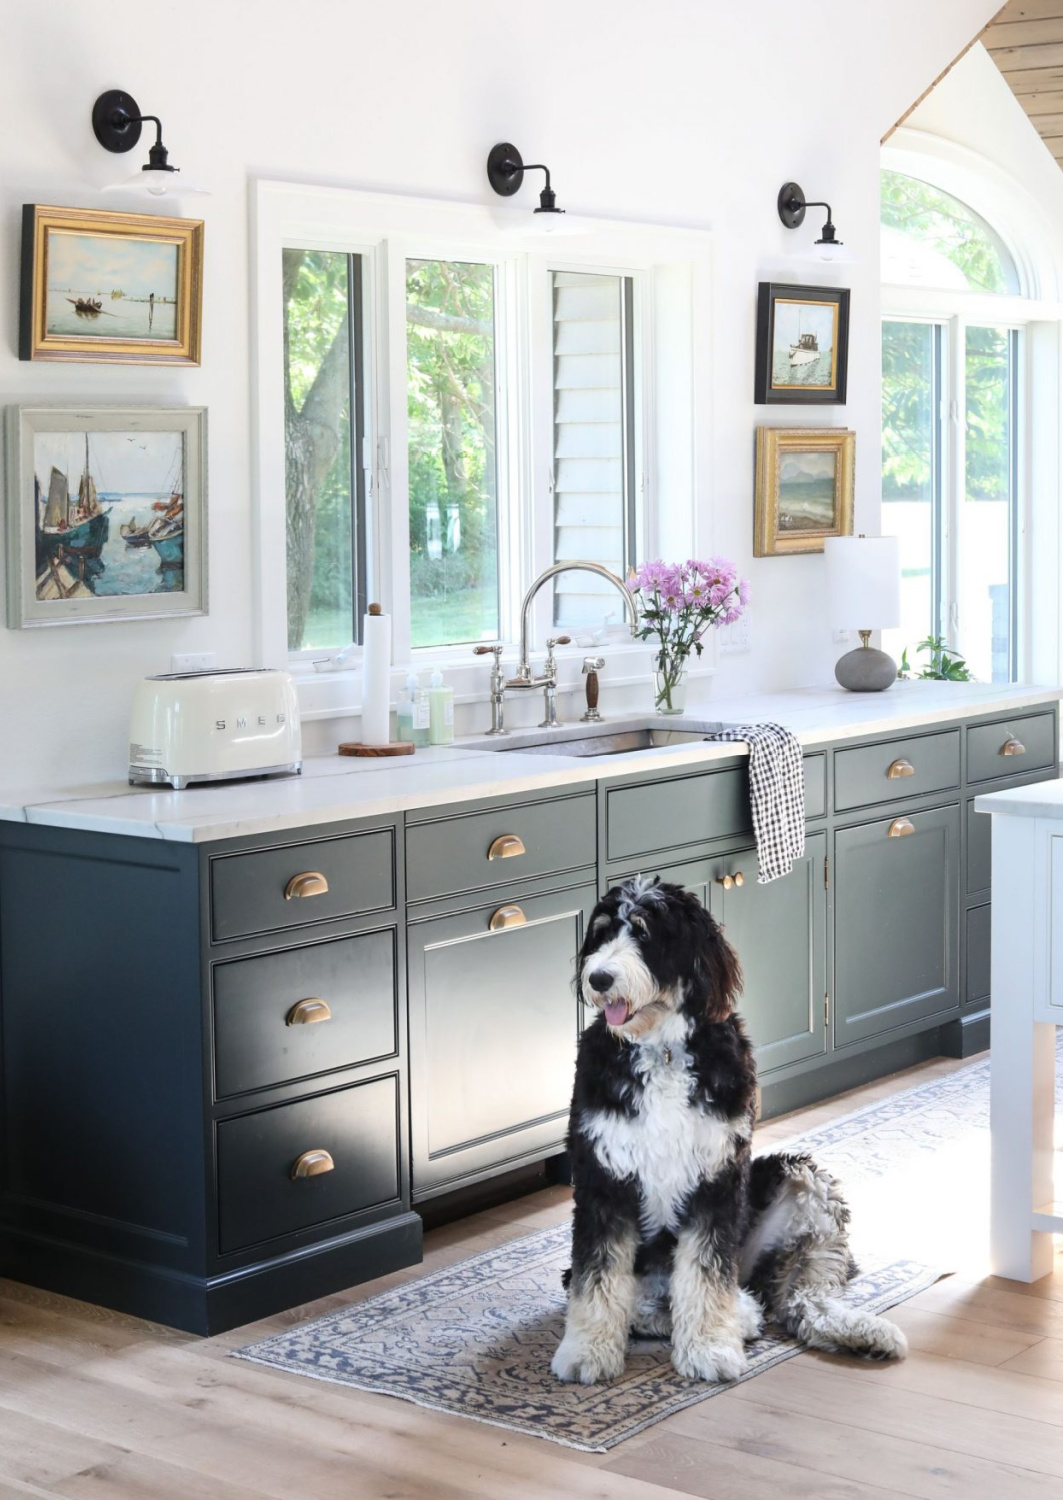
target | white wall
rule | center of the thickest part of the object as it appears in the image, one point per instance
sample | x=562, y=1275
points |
x=698, y=120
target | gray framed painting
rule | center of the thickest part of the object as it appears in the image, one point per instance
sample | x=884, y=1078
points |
x=106, y=513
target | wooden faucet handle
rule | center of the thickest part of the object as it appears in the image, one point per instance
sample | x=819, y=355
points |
x=592, y=689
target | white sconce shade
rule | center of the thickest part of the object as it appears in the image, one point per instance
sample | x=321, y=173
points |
x=863, y=582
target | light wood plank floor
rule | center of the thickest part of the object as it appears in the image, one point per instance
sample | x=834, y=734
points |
x=98, y=1405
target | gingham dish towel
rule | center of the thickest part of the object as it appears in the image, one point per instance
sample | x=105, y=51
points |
x=776, y=794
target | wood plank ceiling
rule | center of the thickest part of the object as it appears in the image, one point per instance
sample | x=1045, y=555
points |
x=1025, y=40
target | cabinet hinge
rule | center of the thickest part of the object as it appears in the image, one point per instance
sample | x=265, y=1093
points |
x=826, y=1008
x=826, y=873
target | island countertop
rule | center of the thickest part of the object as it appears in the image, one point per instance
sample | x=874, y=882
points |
x=333, y=789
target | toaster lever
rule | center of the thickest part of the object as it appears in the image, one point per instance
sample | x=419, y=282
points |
x=309, y=883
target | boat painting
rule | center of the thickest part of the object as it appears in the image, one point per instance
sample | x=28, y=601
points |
x=803, y=347
x=138, y=277
x=89, y=537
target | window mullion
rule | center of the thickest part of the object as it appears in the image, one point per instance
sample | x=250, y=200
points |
x=956, y=478
x=393, y=457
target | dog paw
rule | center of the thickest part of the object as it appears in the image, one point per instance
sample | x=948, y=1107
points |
x=885, y=1341
x=712, y=1362
x=749, y=1316
x=587, y=1364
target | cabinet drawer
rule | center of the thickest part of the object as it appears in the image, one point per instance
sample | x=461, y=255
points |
x=258, y=1197
x=895, y=769
x=1011, y=747
x=260, y=892
x=290, y=1015
x=500, y=846
x=668, y=814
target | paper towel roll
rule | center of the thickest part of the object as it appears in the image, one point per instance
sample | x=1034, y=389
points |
x=376, y=678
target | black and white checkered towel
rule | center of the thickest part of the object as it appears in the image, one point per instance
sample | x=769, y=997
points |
x=776, y=794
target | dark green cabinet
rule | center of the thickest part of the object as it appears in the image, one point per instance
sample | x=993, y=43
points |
x=896, y=921
x=780, y=932
x=494, y=1022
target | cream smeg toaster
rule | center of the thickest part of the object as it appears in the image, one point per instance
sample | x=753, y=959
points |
x=214, y=726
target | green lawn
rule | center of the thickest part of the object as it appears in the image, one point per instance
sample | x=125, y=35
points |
x=463, y=616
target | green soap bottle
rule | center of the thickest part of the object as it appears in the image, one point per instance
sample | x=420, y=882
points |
x=440, y=711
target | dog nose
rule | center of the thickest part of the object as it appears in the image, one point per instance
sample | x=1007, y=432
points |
x=601, y=980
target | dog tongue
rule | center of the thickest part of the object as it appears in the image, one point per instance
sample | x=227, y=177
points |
x=616, y=1012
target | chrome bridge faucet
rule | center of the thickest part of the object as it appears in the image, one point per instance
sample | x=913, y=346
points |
x=524, y=677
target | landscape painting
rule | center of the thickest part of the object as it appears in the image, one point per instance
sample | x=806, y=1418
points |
x=110, y=514
x=802, y=351
x=110, y=287
x=804, y=488
x=102, y=287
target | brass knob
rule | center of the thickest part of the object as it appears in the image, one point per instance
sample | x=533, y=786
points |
x=506, y=846
x=307, y=1012
x=309, y=883
x=727, y=881
x=507, y=916
x=1013, y=747
x=740, y=879
x=900, y=768
x=900, y=828
x=312, y=1164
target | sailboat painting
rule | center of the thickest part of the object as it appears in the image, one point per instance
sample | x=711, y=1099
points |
x=802, y=344
x=117, y=516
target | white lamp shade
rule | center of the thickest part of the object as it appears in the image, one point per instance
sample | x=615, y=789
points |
x=863, y=582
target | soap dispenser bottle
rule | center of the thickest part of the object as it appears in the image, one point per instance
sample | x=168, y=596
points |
x=441, y=711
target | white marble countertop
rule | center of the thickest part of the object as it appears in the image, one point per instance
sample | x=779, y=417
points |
x=333, y=788
x=1043, y=800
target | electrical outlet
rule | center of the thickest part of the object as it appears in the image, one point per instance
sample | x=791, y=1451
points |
x=735, y=638
x=842, y=637
x=193, y=661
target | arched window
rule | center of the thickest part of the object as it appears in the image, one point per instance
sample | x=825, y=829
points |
x=948, y=352
x=930, y=238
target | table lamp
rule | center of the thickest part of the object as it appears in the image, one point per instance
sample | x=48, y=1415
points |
x=864, y=594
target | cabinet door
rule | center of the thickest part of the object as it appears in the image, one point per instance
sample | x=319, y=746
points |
x=779, y=932
x=896, y=915
x=493, y=1028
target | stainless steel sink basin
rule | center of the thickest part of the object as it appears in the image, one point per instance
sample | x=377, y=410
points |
x=607, y=741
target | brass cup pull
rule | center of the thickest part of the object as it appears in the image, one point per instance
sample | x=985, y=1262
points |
x=507, y=916
x=312, y=1164
x=506, y=846
x=727, y=881
x=900, y=768
x=1013, y=747
x=307, y=1012
x=309, y=883
x=900, y=828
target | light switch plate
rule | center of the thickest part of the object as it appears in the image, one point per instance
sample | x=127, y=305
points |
x=736, y=638
x=193, y=661
x=842, y=637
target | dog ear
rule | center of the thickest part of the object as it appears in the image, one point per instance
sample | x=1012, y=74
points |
x=724, y=976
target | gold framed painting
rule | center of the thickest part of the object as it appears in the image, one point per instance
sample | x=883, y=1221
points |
x=110, y=288
x=804, y=488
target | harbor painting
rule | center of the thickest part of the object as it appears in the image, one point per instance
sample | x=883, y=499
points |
x=105, y=288
x=802, y=344
x=115, y=521
x=110, y=287
x=804, y=488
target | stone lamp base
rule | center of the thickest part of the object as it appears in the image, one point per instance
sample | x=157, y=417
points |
x=866, y=670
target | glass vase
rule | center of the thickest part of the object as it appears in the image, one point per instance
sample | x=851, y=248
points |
x=670, y=688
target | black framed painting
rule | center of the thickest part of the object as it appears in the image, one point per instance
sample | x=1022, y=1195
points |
x=802, y=345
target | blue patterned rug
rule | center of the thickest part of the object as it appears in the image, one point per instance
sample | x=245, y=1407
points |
x=476, y=1339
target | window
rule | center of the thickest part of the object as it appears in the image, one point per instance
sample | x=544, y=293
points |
x=324, y=477
x=951, y=412
x=594, y=439
x=453, y=443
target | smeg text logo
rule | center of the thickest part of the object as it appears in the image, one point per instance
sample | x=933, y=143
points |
x=261, y=720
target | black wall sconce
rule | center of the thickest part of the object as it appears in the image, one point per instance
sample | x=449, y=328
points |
x=117, y=123
x=505, y=173
x=792, y=205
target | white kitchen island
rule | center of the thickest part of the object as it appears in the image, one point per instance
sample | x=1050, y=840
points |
x=1027, y=1006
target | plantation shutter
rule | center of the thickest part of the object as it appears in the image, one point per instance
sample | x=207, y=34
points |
x=593, y=482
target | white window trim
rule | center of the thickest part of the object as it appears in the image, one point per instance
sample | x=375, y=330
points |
x=672, y=267
x=1038, y=315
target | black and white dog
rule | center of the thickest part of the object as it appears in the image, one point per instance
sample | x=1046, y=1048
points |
x=677, y=1228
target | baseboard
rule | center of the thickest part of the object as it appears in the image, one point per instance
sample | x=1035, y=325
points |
x=209, y=1305
x=966, y=1035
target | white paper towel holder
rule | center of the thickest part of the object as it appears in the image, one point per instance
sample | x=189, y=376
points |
x=394, y=747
